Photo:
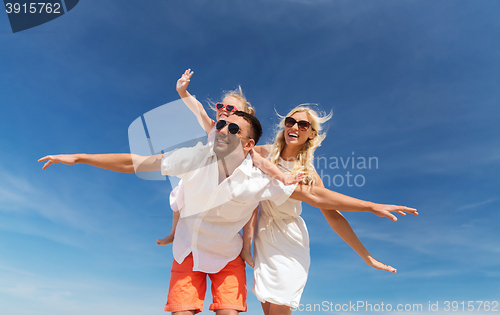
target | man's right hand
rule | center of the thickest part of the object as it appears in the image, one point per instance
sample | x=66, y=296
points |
x=68, y=159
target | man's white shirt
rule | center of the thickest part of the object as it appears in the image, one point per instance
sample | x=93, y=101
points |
x=214, y=213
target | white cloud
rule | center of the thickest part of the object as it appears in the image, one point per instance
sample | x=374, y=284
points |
x=76, y=213
x=19, y=195
x=477, y=204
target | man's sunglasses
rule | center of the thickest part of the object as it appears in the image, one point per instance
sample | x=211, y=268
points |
x=303, y=124
x=231, y=127
x=229, y=108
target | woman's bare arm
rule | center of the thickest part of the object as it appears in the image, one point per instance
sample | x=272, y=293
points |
x=340, y=225
x=323, y=198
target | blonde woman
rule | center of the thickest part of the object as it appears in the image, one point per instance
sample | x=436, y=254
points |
x=281, y=252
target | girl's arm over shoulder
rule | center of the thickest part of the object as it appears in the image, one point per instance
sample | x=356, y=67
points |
x=272, y=170
x=263, y=150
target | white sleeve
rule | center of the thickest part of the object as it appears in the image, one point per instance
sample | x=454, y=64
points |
x=182, y=161
x=276, y=191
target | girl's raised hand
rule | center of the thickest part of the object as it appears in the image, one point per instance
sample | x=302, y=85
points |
x=183, y=82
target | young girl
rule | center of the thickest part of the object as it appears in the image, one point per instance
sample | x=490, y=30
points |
x=231, y=102
x=281, y=252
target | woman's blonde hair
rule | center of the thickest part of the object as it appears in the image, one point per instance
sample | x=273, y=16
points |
x=237, y=94
x=304, y=161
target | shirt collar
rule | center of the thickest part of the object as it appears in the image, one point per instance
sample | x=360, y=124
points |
x=245, y=166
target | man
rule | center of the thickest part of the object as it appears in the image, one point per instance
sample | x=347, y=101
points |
x=222, y=188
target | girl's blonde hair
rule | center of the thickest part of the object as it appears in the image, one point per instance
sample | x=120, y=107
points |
x=304, y=161
x=237, y=94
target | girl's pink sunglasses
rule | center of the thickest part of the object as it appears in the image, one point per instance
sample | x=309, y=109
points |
x=229, y=108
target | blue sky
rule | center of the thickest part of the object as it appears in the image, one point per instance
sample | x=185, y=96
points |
x=412, y=83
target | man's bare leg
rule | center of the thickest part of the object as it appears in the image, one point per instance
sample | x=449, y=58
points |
x=226, y=312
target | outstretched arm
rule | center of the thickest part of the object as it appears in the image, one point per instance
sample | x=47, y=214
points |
x=119, y=162
x=340, y=225
x=192, y=103
x=323, y=198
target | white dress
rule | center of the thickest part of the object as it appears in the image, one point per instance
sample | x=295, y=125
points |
x=281, y=251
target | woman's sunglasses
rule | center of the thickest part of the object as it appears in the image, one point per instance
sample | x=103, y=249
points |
x=229, y=108
x=303, y=124
x=231, y=127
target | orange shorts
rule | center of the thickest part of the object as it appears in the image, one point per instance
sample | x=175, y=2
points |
x=187, y=287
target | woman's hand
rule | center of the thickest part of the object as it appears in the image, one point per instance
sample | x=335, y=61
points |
x=379, y=265
x=382, y=210
x=247, y=256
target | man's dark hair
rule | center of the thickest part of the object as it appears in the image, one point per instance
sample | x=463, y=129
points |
x=254, y=124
